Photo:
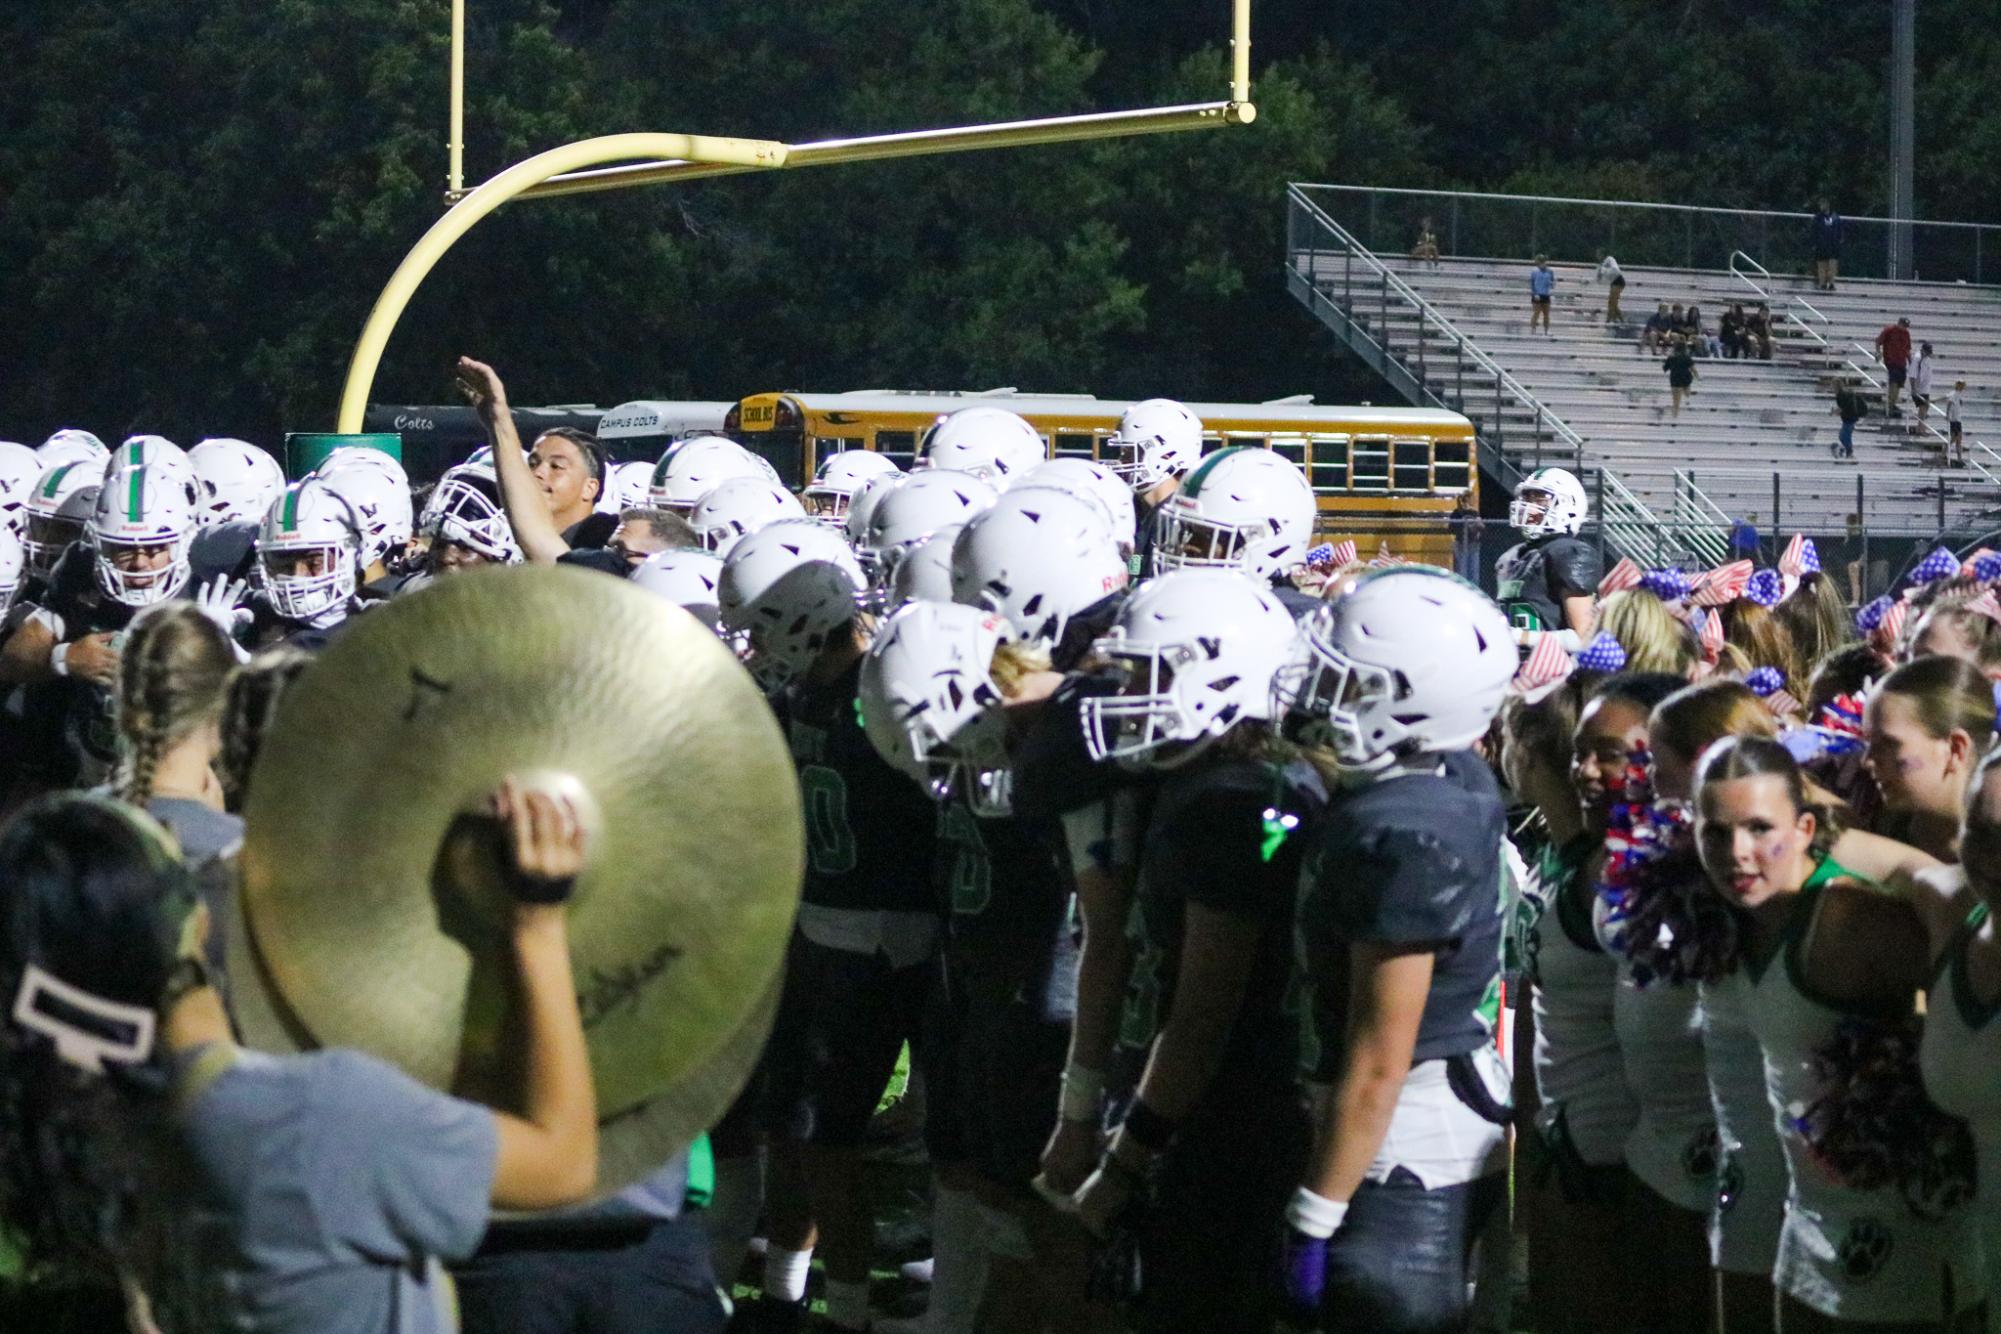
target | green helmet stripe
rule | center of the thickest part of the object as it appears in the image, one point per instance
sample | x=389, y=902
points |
x=135, y=454
x=288, y=520
x=50, y=487
x=135, y=496
x=1191, y=485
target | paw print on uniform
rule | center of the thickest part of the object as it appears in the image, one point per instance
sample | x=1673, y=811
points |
x=1700, y=1154
x=1865, y=1250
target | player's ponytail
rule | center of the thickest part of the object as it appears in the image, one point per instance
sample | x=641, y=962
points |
x=170, y=680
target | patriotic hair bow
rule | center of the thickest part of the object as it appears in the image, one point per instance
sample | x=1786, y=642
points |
x=1603, y=654
x=1708, y=627
x=1725, y=583
x=1941, y=564
x=1870, y=614
x=1983, y=565
x=1800, y=557
x=1985, y=605
x=1667, y=585
x=1320, y=557
x=1619, y=578
x=1546, y=667
x=1766, y=588
x=1344, y=553
x=1769, y=684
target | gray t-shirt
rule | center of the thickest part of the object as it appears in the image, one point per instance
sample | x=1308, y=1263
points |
x=334, y=1186
x=202, y=831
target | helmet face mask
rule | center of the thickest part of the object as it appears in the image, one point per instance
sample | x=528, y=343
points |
x=788, y=590
x=1149, y=724
x=141, y=528
x=1156, y=439
x=140, y=580
x=1328, y=699
x=931, y=708
x=465, y=510
x=310, y=525
x=1548, y=500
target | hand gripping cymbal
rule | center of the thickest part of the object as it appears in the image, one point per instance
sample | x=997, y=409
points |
x=368, y=887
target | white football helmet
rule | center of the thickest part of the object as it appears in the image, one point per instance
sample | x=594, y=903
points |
x=381, y=499
x=142, y=507
x=787, y=589
x=1097, y=483
x=1200, y=648
x=238, y=481
x=689, y=579
x=997, y=446
x=1157, y=439
x=1241, y=509
x=465, y=508
x=159, y=456
x=1409, y=661
x=930, y=706
x=1037, y=557
x=20, y=469
x=13, y=561
x=840, y=477
x=740, y=506
x=624, y=487
x=919, y=506
x=363, y=456
x=861, y=505
x=72, y=446
x=309, y=518
x=924, y=573
x=696, y=466
x=58, y=509
x=1548, y=500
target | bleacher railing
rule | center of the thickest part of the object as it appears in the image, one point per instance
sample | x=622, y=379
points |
x=1475, y=223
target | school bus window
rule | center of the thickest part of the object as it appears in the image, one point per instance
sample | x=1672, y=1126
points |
x=1245, y=440
x=1413, y=465
x=1070, y=445
x=1211, y=443
x=824, y=445
x=1329, y=471
x=1451, y=465
x=900, y=447
x=1369, y=465
x=1290, y=447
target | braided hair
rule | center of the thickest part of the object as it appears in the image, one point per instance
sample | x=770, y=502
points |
x=170, y=679
x=250, y=702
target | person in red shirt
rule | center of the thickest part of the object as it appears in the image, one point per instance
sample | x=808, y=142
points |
x=1893, y=349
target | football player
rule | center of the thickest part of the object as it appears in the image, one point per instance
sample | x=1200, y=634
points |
x=1546, y=582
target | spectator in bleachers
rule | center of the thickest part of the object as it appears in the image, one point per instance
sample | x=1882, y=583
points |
x=1853, y=549
x=1468, y=531
x=1955, y=407
x=1542, y=286
x=1921, y=383
x=1758, y=333
x=1653, y=335
x=1730, y=331
x=1678, y=320
x=1680, y=368
x=1426, y=247
x=1893, y=349
x=1702, y=342
x=1848, y=406
x=1826, y=233
x=1744, y=538
x=1615, y=281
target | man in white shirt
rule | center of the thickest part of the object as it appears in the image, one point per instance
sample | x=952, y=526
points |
x=1609, y=273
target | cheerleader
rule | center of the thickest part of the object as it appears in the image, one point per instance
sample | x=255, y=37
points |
x=1962, y=1042
x=1749, y=1201
x=1400, y=928
x=1928, y=723
x=1825, y=957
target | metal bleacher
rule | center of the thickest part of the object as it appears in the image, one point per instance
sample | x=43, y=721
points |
x=1754, y=437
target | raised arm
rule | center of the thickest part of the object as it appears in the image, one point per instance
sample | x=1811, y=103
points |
x=541, y=542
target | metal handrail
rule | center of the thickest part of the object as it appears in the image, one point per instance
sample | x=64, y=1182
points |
x=1410, y=296
x=1640, y=533
x=1791, y=299
x=1637, y=204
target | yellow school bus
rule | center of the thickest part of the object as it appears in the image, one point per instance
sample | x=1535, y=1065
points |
x=1382, y=475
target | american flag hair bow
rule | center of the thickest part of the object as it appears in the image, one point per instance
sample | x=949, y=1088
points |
x=1983, y=565
x=1603, y=654
x=1320, y=557
x=1766, y=588
x=1708, y=627
x=1343, y=553
x=1870, y=614
x=1725, y=583
x=1668, y=585
x=1890, y=628
x=1619, y=578
x=1940, y=564
x=1769, y=685
x=1800, y=558
x=1985, y=605
x=1546, y=667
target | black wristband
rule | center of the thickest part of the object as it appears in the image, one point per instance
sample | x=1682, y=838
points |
x=538, y=889
x=1149, y=1129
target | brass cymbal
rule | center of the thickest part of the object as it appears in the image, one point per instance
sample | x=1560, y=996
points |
x=631, y=1145
x=367, y=879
